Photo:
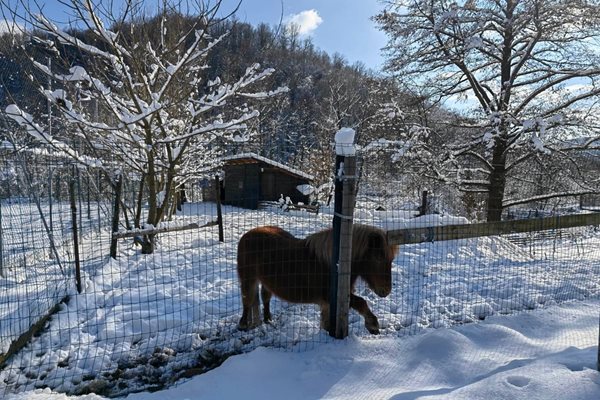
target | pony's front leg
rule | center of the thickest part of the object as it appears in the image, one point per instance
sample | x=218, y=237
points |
x=325, y=316
x=360, y=305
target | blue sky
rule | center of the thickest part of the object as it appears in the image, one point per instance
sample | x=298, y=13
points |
x=335, y=26
x=345, y=28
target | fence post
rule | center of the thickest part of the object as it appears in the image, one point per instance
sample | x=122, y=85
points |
x=50, y=200
x=345, y=256
x=219, y=210
x=89, y=208
x=1, y=245
x=344, y=198
x=98, y=199
x=115, y=218
x=335, y=253
x=75, y=231
x=423, y=210
x=79, y=197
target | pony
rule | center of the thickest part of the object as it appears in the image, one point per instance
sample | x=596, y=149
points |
x=298, y=270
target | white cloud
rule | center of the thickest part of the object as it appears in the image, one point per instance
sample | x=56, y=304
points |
x=306, y=21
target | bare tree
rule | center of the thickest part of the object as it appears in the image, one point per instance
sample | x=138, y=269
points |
x=161, y=116
x=531, y=69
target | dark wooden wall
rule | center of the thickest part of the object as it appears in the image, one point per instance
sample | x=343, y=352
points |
x=274, y=183
x=242, y=185
x=247, y=184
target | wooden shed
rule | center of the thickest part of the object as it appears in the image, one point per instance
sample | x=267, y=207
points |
x=250, y=179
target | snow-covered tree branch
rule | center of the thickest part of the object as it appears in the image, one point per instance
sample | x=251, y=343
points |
x=160, y=113
x=528, y=67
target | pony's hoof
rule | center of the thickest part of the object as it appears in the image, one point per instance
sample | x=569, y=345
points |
x=243, y=327
x=267, y=318
x=373, y=327
x=247, y=326
x=374, y=331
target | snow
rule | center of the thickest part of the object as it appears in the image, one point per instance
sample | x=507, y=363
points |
x=344, y=142
x=394, y=220
x=306, y=189
x=547, y=354
x=269, y=162
x=11, y=27
x=143, y=319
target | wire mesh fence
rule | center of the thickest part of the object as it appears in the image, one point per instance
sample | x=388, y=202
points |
x=142, y=321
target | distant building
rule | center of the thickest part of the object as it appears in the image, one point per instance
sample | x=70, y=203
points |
x=250, y=179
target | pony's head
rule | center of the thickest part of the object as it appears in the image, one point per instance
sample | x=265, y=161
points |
x=372, y=258
x=372, y=255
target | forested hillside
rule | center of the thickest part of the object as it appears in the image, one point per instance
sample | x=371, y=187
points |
x=411, y=141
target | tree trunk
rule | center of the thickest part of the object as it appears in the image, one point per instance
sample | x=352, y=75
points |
x=497, y=181
x=148, y=244
x=148, y=240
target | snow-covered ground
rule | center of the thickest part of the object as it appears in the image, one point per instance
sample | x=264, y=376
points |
x=545, y=354
x=34, y=277
x=143, y=321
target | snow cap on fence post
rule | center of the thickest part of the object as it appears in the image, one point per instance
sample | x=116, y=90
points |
x=344, y=142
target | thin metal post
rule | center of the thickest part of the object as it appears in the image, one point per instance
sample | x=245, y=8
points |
x=219, y=211
x=75, y=231
x=49, y=65
x=80, y=196
x=50, y=200
x=87, y=183
x=115, y=219
x=98, y=191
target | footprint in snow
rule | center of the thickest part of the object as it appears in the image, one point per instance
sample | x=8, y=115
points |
x=518, y=381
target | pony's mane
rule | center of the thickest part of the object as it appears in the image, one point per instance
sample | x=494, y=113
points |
x=320, y=243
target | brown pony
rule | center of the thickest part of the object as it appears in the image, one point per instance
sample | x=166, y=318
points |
x=297, y=270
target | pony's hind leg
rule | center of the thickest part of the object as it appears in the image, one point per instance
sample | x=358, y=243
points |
x=251, y=314
x=265, y=296
x=360, y=305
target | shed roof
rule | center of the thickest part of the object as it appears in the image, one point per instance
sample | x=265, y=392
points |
x=247, y=158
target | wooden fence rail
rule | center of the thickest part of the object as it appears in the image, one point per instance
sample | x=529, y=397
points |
x=465, y=231
x=166, y=229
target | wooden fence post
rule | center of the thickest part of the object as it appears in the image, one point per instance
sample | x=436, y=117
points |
x=335, y=253
x=344, y=199
x=115, y=218
x=219, y=211
x=1, y=246
x=424, y=209
x=345, y=256
x=75, y=231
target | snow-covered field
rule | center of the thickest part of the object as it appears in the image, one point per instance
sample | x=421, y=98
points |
x=34, y=277
x=144, y=321
x=546, y=354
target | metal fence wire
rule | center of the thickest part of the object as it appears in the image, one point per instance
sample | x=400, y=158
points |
x=141, y=321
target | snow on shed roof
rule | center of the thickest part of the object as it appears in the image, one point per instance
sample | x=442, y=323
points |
x=272, y=163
